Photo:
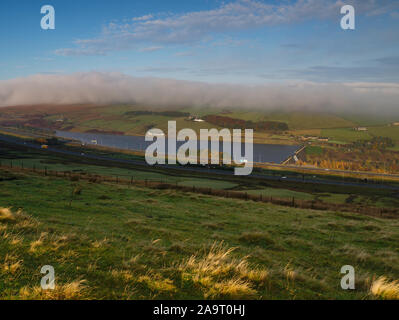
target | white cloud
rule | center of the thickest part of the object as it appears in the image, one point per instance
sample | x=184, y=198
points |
x=143, y=18
x=151, y=49
x=80, y=52
x=109, y=88
x=196, y=26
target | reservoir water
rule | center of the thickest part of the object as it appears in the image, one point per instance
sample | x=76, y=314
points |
x=262, y=153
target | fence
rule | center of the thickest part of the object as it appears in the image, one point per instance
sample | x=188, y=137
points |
x=162, y=185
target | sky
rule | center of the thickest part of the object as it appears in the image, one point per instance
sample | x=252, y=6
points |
x=237, y=42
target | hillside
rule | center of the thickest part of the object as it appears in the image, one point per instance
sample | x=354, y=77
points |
x=270, y=127
x=137, y=119
x=111, y=241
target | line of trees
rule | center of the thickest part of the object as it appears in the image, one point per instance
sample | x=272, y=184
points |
x=172, y=114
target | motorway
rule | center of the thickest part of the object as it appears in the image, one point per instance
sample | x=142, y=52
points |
x=213, y=171
x=340, y=172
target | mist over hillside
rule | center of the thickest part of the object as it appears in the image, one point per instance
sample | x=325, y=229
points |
x=110, y=88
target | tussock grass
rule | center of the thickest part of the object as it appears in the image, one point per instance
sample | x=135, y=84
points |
x=125, y=275
x=36, y=244
x=6, y=215
x=136, y=264
x=11, y=264
x=290, y=274
x=17, y=218
x=382, y=288
x=233, y=288
x=259, y=238
x=220, y=275
x=156, y=283
x=358, y=254
x=69, y=291
x=63, y=240
x=100, y=243
x=177, y=247
x=16, y=240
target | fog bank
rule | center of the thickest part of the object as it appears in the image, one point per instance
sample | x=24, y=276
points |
x=111, y=88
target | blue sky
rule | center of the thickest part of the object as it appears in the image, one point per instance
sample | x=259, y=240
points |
x=246, y=42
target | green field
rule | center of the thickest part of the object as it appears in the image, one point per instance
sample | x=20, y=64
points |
x=330, y=194
x=295, y=120
x=314, y=150
x=282, y=193
x=42, y=161
x=349, y=135
x=388, y=132
x=109, y=241
x=117, y=118
x=346, y=135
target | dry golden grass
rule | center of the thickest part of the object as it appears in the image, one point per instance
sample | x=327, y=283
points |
x=220, y=275
x=11, y=264
x=382, y=288
x=61, y=241
x=6, y=215
x=234, y=288
x=99, y=243
x=69, y=291
x=289, y=273
x=16, y=240
x=18, y=218
x=157, y=283
x=132, y=261
x=125, y=275
x=34, y=245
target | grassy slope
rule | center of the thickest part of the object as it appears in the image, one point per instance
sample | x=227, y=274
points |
x=297, y=120
x=115, y=118
x=133, y=243
x=40, y=161
x=346, y=135
x=338, y=127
